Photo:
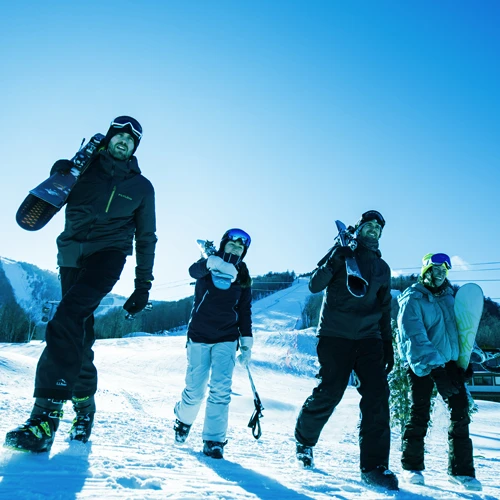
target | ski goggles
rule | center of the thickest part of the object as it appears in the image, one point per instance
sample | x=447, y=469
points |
x=373, y=215
x=131, y=123
x=437, y=259
x=238, y=234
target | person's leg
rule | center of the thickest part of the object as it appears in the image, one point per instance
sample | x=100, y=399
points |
x=374, y=430
x=336, y=359
x=219, y=396
x=198, y=370
x=412, y=457
x=60, y=364
x=460, y=456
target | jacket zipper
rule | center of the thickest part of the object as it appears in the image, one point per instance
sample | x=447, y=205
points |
x=201, y=302
x=110, y=199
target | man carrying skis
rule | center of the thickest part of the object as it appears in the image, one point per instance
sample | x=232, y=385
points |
x=428, y=344
x=354, y=334
x=110, y=205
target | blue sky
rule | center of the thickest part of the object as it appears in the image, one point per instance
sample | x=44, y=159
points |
x=276, y=117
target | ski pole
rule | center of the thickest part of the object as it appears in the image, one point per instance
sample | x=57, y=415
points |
x=254, y=422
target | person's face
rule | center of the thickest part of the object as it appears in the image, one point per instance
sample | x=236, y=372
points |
x=121, y=146
x=371, y=230
x=438, y=274
x=234, y=247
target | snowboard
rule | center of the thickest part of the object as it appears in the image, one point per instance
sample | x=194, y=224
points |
x=469, y=302
x=46, y=199
x=220, y=280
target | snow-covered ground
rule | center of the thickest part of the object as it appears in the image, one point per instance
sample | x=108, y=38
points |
x=131, y=454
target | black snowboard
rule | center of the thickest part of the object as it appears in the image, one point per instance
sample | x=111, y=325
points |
x=49, y=197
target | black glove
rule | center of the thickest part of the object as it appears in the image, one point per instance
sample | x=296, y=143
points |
x=469, y=373
x=139, y=299
x=61, y=167
x=388, y=356
x=339, y=255
x=444, y=384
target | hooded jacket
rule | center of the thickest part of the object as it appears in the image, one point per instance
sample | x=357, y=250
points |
x=427, y=333
x=110, y=204
x=218, y=315
x=346, y=316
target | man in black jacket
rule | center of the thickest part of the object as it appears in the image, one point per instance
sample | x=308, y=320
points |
x=354, y=334
x=110, y=205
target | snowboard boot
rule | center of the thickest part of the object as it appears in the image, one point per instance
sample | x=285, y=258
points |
x=381, y=476
x=413, y=477
x=468, y=482
x=38, y=432
x=181, y=431
x=84, y=419
x=214, y=449
x=305, y=455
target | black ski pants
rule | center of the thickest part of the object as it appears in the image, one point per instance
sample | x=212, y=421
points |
x=66, y=367
x=337, y=358
x=460, y=455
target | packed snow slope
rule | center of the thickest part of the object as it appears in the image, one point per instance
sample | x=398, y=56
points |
x=131, y=454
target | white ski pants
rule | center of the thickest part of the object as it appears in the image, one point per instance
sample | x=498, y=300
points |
x=220, y=358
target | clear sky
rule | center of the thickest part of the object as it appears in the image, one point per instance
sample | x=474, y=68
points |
x=274, y=116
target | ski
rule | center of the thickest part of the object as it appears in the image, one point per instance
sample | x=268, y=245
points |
x=356, y=284
x=46, y=199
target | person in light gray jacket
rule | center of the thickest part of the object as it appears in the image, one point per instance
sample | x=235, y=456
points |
x=428, y=344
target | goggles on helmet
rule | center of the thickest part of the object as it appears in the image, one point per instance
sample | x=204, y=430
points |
x=238, y=234
x=127, y=121
x=438, y=259
x=373, y=215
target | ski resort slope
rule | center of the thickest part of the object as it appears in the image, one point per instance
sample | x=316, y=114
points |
x=131, y=454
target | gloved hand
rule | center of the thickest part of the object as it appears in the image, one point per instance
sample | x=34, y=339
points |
x=139, y=298
x=215, y=263
x=444, y=384
x=246, y=344
x=388, y=356
x=339, y=255
x=61, y=166
x=469, y=373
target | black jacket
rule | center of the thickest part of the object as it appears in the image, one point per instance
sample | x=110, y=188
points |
x=110, y=204
x=218, y=315
x=346, y=316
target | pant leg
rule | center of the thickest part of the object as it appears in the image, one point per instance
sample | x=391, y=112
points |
x=60, y=364
x=219, y=396
x=416, y=428
x=198, y=370
x=460, y=456
x=374, y=429
x=336, y=358
x=86, y=384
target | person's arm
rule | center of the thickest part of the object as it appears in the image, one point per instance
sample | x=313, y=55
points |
x=245, y=312
x=385, y=298
x=199, y=269
x=415, y=345
x=328, y=267
x=145, y=238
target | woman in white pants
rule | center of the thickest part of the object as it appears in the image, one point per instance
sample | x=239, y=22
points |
x=220, y=323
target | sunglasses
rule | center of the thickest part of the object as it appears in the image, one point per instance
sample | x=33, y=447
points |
x=438, y=259
x=238, y=234
x=127, y=121
x=373, y=215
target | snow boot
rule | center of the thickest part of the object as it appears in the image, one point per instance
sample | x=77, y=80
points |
x=38, y=432
x=413, y=477
x=468, y=482
x=84, y=419
x=181, y=431
x=305, y=455
x=381, y=476
x=214, y=449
